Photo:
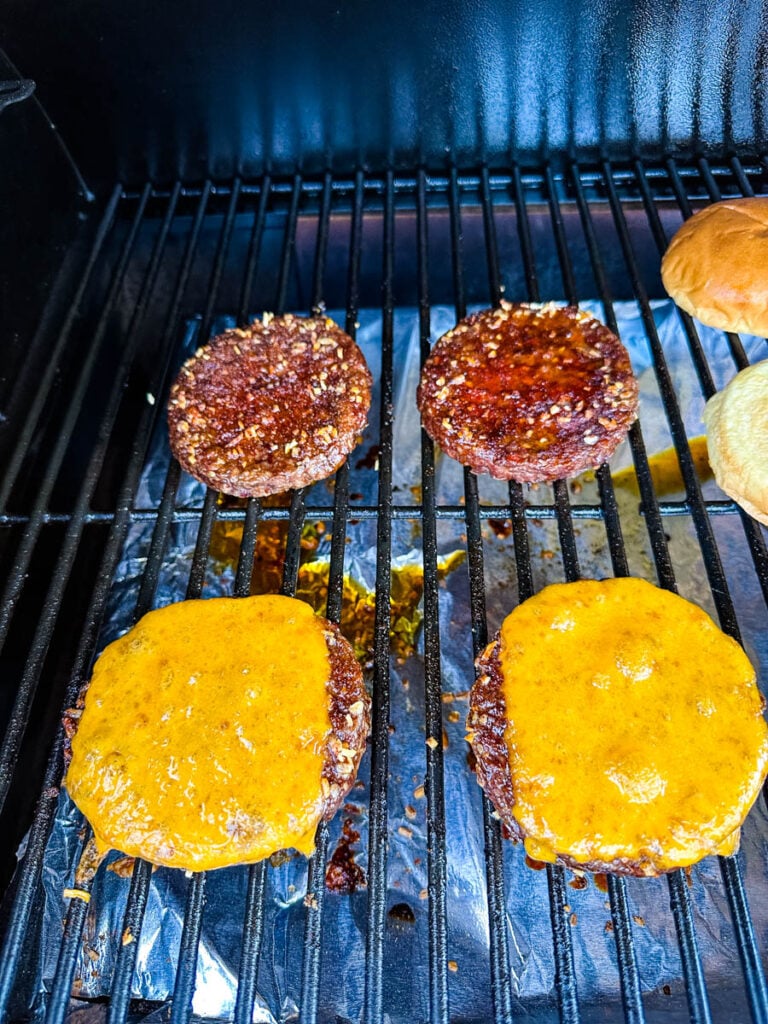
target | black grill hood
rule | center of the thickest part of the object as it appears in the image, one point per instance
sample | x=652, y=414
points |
x=170, y=90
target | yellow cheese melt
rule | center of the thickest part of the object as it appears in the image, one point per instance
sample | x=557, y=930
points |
x=665, y=470
x=635, y=726
x=201, y=743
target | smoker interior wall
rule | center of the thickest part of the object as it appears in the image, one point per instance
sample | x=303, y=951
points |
x=38, y=219
x=169, y=89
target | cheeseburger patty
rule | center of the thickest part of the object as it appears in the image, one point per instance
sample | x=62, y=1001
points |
x=218, y=732
x=528, y=393
x=269, y=407
x=616, y=728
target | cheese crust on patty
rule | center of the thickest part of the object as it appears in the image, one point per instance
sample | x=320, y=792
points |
x=616, y=728
x=218, y=732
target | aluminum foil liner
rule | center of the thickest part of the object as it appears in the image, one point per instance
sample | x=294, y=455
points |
x=406, y=942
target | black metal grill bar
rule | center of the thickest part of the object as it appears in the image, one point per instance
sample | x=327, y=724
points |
x=752, y=530
x=257, y=873
x=321, y=248
x=253, y=925
x=434, y=788
x=561, y=243
x=559, y=907
x=491, y=242
x=190, y=937
x=17, y=575
x=550, y=185
x=558, y=900
x=42, y=387
x=650, y=503
x=741, y=177
x=253, y=922
x=286, y=259
x=622, y=929
x=586, y=510
x=310, y=975
x=253, y=933
x=186, y=968
x=193, y=915
x=440, y=183
x=207, y=518
x=244, y=573
x=692, y=967
x=712, y=561
x=61, y=572
x=501, y=981
x=163, y=524
x=45, y=811
x=136, y=903
x=457, y=254
x=65, y=966
x=751, y=962
x=222, y=247
x=377, y=815
x=254, y=249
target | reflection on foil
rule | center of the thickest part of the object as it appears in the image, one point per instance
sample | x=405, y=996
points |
x=406, y=988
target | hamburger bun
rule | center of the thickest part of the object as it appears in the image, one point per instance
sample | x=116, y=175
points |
x=736, y=419
x=716, y=266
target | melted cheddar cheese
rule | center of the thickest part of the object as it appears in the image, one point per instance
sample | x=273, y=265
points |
x=665, y=470
x=635, y=727
x=201, y=743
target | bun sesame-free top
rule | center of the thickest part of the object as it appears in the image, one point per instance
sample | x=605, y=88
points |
x=716, y=266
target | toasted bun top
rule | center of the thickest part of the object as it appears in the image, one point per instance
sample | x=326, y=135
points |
x=716, y=266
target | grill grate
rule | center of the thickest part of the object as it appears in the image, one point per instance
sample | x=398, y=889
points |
x=155, y=257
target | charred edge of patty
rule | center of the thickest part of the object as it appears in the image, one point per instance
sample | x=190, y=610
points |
x=487, y=722
x=486, y=725
x=527, y=468
x=350, y=716
x=70, y=721
x=259, y=482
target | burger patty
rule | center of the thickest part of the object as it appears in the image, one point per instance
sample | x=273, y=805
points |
x=528, y=393
x=269, y=407
x=218, y=732
x=617, y=729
